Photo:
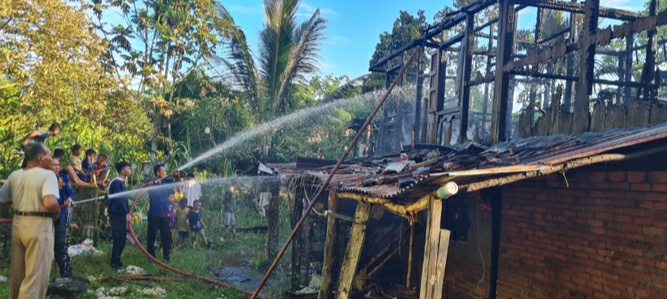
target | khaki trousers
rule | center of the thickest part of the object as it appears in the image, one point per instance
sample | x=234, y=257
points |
x=31, y=257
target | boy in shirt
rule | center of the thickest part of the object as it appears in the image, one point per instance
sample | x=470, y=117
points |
x=101, y=170
x=181, y=216
x=197, y=225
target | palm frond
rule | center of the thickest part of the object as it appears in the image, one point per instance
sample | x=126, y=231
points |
x=304, y=55
x=238, y=60
x=275, y=46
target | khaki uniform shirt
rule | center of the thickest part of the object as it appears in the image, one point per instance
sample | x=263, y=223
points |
x=25, y=189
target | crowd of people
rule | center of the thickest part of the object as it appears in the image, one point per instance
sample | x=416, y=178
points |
x=41, y=194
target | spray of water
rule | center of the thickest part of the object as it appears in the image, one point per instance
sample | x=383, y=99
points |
x=302, y=116
x=136, y=192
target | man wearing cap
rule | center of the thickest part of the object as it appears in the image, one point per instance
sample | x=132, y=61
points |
x=33, y=193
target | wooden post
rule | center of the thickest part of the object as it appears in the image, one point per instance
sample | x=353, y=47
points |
x=436, y=277
x=297, y=243
x=273, y=217
x=486, y=85
x=410, y=248
x=466, y=70
x=416, y=127
x=648, y=72
x=432, y=238
x=584, y=86
x=627, y=90
x=501, y=101
x=496, y=213
x=329, y=250
x=353, y=251
x=570, y=63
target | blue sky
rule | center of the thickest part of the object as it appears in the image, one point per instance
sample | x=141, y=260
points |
x=355, y=25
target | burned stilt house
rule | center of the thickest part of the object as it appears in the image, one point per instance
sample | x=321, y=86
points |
x=532, y=172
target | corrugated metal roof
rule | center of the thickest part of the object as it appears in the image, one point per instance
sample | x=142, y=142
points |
x=506, y=158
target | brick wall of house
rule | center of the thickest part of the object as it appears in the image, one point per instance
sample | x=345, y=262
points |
x=469, y=263
x=598, y=234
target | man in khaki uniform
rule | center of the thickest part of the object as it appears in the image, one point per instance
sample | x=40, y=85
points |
x=33, y=193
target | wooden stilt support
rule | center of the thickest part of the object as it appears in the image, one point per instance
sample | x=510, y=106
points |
x=353, y=251
x=432, y=238
x=435, y=256
x=412, y=240
x=329, y=254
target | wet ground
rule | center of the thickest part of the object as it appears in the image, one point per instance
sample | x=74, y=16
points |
x=238, y=271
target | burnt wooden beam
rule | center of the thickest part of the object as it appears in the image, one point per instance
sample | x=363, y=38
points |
x=569, y=66
x=612, y=13
x=648, y=73
x=618, y=83
x=434, y=31
x=507, y=32
x=466, y=71
x=584, y=86
x=545, y=76
x=553, y=36
x=485, y=105
x=419, y=95
x=627, y=91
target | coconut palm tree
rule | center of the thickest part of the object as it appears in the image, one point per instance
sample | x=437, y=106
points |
x=288, y=51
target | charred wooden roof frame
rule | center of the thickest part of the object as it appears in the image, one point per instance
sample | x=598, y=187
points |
x=508, y=63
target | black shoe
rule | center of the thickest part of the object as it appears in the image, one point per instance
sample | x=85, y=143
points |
x=208, y=245
x=117, y=266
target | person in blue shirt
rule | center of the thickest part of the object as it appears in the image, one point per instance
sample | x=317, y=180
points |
x=60, y=226
x=158, y=212
x=119, y=212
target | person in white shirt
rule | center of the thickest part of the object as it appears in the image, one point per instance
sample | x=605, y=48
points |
x=191, y=189
x=33, y=194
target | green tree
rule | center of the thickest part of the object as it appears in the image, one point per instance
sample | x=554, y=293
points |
x=406, y=29
x=51, y=70
x=155, y=46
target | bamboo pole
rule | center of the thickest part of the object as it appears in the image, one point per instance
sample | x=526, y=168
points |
x=386, y=259
x=412, y=240
x=329, y=254
x=353, y=251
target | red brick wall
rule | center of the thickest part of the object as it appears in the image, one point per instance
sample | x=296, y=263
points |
x=601, y=237
x=468, y=271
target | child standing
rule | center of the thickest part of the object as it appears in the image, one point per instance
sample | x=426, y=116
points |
x=172, y=216
x=182, y=221
x=197, y=225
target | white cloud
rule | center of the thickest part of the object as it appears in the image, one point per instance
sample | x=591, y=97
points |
x=307, y=10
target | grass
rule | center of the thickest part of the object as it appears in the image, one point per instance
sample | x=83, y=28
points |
x=250, y=247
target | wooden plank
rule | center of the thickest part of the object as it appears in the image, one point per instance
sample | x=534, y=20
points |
x=438, y=280
x=329, y=248
x=353, y=251
x=638, y=114
x=658, y=114
x=524, y=125
x=430, y=254
x=598, y=117
x=614, y=117
x=565, y=121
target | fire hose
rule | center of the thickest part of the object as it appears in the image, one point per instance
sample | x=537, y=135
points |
x=174, y=270
x=161, y=264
